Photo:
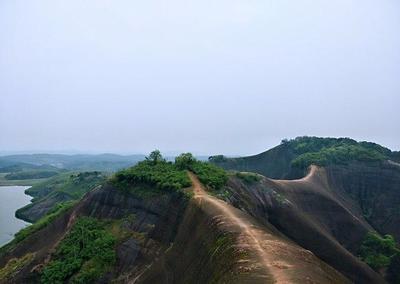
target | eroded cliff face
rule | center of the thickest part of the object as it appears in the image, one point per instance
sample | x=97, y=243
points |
x=143, y=226
x=309, y=212
x=374, y=191
x=170, y=238
x=34, y=211
x=217, y=243
x=147, y=225
x=201, y=253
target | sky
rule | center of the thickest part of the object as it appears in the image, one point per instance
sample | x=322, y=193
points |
x=230, y=77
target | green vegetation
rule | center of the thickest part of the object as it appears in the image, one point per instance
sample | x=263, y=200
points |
x=379, y=252
x=80, y=163
x=13, y=173
x=289, y=159
x=40, y=224
x=24, y=182
x=185, y=161
x=326, y=151
x=75, y=185
x=83, y=256
x=339, y=154
x=165, y=176
x=248, y=177
x=210, y=175
x=61, y=188
x=217, y=159
x=13, y=266
x=43, y=222
x=155, y=157
x=30, y=175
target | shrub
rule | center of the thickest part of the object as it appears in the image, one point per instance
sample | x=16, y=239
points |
x=168, y=176
x=163, y=175
x=83, y=256
x=248, y=177
x=185, y=161
x=338, y=154
x=378, y=251
x=210, y=175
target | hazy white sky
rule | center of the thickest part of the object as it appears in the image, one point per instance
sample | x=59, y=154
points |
x=209, y=76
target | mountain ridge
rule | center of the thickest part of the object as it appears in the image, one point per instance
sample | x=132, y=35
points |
x=233, y=227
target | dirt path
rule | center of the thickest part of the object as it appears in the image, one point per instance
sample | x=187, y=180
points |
x=251, y=234
x=276, y=257
x=393, y=163
x=307, y=178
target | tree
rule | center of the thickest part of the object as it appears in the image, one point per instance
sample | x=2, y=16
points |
x=217, y=159
x=185, y=161
x=155, y=157
x=378, y=251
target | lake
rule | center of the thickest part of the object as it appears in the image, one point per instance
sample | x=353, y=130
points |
x=11, y=199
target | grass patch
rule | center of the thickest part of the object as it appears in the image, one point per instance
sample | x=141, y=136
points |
x=14, y=265
x=72, y=184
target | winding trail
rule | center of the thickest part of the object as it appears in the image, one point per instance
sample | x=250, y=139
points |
x=277, y=259
x=393, y=163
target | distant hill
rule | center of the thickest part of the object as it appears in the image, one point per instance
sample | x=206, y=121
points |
x=102, y=162
x=291, y=158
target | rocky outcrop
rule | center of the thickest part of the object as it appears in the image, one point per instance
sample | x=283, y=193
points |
x=310, y=213
x=40, y=244
x=373, y=191
x=150, y=225
x=34, y=211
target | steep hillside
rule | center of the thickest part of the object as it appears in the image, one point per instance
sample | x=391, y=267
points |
x=395, y=156
x=222, y=244
x=309, y=212
x=151, y=230
x=375, y=191
x=274, y=163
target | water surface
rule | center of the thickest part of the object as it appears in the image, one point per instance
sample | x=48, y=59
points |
x=11, y=199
